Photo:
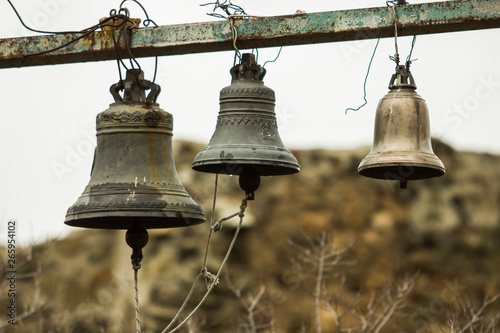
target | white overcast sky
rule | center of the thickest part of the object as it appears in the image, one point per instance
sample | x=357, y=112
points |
x=48, y=112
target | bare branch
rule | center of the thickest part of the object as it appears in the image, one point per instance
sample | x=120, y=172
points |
x=250, y=306
x=402, y=291
x=475, y=321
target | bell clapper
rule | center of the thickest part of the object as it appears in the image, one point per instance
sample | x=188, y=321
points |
x=249, y=182
x=137, y=238
x=403, y=184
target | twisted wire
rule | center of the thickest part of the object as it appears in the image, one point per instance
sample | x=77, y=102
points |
x=396, y=2
x=36, y=30
x=124, y=26
x=277, y=56
x=146, y=22
x=366, y=79
x=124, y=20
x=231, y=12
x=408, y=59
x=226, y=7
x=118, y=20
x=256, y=54
x=234, y=32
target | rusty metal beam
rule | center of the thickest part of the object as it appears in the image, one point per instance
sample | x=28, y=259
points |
x=323, y=27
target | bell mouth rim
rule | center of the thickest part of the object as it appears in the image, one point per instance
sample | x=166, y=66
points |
x=115, y=222
x=230, y=167
x=401, y=170
x=409, y=165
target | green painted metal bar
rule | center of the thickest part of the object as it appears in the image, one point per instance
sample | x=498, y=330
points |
x=258, y=32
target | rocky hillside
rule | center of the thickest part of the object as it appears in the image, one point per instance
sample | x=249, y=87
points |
x=323, y=246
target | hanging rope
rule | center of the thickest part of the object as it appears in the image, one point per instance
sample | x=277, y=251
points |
x=395, y=58
x=211, y=279
x=137, y=314
x=212, y=221
x=136, y=237
x=393, y=4
x=205, y=258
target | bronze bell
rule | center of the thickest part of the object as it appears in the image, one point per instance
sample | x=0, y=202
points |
x=133, y=181
x=246, y=138
x=402, y=143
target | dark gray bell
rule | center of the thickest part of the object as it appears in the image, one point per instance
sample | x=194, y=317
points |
x=246, y=136
x=134, y=183
x=402, y=143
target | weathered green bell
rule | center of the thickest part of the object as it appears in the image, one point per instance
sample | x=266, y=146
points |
x=133, y=181
x=402, y=147
x=246, y=138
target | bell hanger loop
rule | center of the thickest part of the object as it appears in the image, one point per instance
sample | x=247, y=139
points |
x=248, y=69
x=402, y=79
x=134, y=87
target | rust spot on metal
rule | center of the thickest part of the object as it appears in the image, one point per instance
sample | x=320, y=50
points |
x=323, y=27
